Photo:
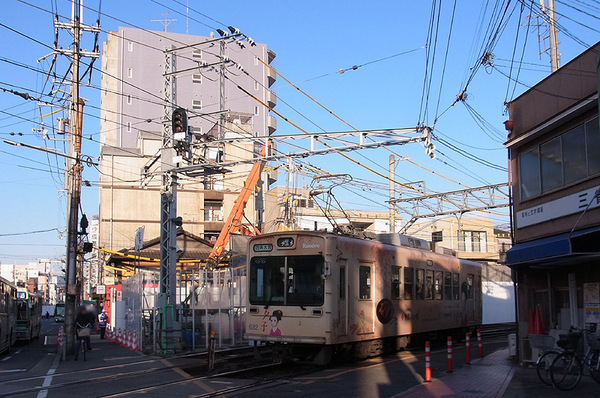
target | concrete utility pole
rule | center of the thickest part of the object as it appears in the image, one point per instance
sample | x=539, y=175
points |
x=550, y=15
x=554, y=55
x=74, y=187
x=392, y=194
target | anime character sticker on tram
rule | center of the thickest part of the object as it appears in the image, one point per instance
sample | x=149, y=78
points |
x=275, y=318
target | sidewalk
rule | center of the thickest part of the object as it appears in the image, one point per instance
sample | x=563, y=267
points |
x=496, y=375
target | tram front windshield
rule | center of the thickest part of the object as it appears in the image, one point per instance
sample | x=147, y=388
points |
x=287, y=280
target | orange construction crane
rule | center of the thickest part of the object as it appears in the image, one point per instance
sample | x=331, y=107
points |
x=233, y=224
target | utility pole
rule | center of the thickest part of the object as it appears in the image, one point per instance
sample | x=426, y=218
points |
x=392, y=194
x=554, y=55
x=74, y=187
x=550, y=14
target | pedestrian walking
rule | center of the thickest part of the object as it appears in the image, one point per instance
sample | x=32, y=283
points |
x=102, y=319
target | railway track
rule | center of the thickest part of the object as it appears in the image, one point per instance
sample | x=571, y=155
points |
x=238, y=363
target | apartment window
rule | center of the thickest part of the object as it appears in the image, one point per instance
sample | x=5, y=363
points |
x=563, y=160
x=129, y=99
x=197, y=54
x=409, y=282
x=128, y=126
x=256, y=110
x=472, y=241
x=197, y=130
x=196, y=78
x=551, y=164
x=129, y=72
x=364, y=288
x=130, y=46
x=256, y=85
x=211, y=236
x=213, y=210
x=396, y=282
x=197, y=104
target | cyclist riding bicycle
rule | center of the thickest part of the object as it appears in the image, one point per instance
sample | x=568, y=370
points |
x=83, y=328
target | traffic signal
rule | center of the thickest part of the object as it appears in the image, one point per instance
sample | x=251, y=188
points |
x=181, y=133
x=179, y=121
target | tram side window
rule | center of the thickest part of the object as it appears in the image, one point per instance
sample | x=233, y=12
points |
x=364, y=274
x=455, y=287
x=469, y=292
x=437, y=285
x=409, y=282
x=396, y=282
x=420, y=284
x=447, y=286
x=342, y=282
x=429, y=285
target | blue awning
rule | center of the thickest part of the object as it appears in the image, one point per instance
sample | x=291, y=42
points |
x=546, y=248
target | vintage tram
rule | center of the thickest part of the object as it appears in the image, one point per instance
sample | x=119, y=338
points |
x=321, y=293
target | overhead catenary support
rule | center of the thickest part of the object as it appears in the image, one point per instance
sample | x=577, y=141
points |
x=455, y=202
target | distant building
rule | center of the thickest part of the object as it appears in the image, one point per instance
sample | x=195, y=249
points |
x=44, y=276
x=294, y=208
x=132, y=129
x=554, y=150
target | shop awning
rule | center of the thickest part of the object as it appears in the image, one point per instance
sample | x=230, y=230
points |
x=583, y=241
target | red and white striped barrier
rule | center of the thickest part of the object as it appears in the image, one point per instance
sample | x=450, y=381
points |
x=427, y=361
x=134, y=342
x=449, y=347
x=480, y=343
x=61, y=337
x=468, y=347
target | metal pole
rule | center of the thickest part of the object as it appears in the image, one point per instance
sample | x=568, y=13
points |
x=392, y=194
x=554, y=55
x=74, y=188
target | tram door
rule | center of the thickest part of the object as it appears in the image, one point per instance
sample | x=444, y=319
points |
x=342, y=329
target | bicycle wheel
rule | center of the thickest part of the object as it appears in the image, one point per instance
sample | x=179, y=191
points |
x=544, y=364
x=593, y=361
x=566, y=371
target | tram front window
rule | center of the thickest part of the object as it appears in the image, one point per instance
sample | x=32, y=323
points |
x=291, y=280
x=22, y=310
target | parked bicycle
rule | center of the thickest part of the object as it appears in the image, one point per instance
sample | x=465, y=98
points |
x=544, y=362
x=567, y=368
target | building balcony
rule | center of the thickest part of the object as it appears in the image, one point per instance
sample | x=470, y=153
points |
x=271, y=99
x=271, y=124
x=271, y=76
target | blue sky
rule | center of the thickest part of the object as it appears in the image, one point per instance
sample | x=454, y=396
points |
x=311, y=39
